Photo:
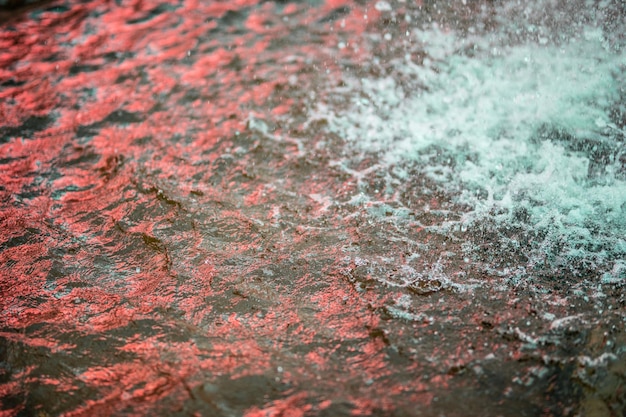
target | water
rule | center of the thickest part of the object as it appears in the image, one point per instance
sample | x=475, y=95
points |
x=315, y=208
x=528, y=133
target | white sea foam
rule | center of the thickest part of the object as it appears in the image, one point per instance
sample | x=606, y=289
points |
x=523, y=132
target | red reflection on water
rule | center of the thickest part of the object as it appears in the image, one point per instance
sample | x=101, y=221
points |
x=171, y=242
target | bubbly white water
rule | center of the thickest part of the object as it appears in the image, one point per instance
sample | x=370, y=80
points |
x=525, y=133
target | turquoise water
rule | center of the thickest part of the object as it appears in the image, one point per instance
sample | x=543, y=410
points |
x=522, y=123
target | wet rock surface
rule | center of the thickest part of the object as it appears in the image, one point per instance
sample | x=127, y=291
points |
x=183, y=232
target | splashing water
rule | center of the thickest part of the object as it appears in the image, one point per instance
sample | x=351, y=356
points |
x=528, y=133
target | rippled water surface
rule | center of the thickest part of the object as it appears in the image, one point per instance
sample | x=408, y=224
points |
x=312, y=208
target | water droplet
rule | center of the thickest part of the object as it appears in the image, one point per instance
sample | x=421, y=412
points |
x=383, y=6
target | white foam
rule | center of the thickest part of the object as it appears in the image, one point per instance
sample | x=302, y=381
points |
x=515, y=127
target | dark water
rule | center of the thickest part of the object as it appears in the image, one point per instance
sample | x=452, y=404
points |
x=183, y=231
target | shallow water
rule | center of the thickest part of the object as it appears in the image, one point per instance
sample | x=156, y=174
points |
x=312, y=208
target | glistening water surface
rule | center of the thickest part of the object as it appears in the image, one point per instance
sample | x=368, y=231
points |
x=312, y=208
